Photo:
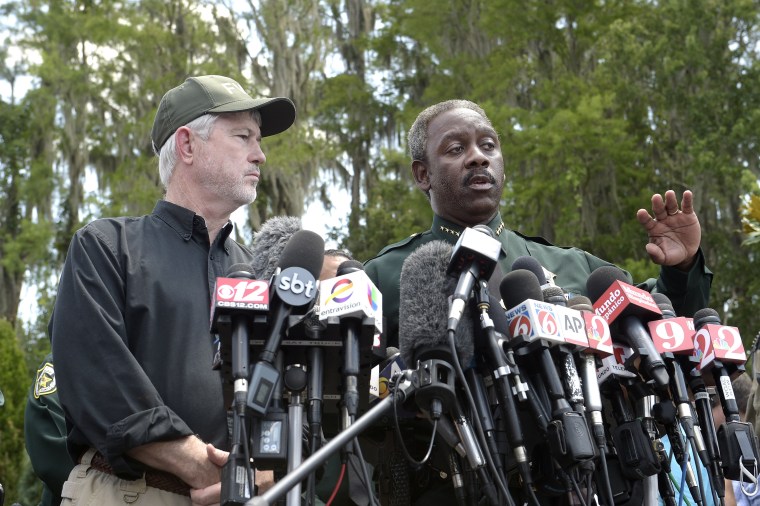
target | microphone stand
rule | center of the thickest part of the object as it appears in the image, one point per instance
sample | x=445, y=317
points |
x=404, y=388
x=237, y=473
x=314, y=413
x=295, y=383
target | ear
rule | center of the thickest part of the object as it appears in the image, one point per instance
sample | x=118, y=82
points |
x=421, y=175
x=185, y=140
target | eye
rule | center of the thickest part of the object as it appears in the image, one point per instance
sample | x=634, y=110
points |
x=456, y=149
x=244, y=136
x=489, y=145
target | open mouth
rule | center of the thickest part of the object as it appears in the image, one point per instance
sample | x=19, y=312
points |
x=480, y=181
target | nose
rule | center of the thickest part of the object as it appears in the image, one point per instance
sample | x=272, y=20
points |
x=257, y=155
x=476, y=157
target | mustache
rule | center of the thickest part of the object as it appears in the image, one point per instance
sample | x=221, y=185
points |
x=481, y=173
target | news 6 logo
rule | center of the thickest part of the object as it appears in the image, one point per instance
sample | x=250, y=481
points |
x=296, y=286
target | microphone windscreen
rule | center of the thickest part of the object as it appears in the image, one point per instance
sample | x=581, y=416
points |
x=532, y=265
x=705, y=316
x=305, y=249
x=663, y=302
x=269, y=242
x=602, y=278
x=349, y=266
x=580, y=303
x=240, y=271
x=551, y=292
x=519, y=285
x=425, y=289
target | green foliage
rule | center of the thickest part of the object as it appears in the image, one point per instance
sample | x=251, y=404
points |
x=598, y=106
x=14, y=383
x=396, y=210
x=751, y=222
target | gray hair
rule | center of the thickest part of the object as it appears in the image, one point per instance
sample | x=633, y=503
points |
x=418, y=134
x=201, y=126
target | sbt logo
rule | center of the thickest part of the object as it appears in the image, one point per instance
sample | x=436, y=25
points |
x=296, y=286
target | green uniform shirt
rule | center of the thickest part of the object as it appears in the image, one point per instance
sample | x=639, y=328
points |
x=45, y=434
x=689, y=291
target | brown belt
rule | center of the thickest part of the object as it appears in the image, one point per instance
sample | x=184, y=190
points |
x=153, y=477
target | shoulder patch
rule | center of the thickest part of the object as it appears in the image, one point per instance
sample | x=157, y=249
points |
x=45, y=382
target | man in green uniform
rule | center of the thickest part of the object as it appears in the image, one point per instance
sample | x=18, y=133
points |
x=457, y=162
x=45, y=434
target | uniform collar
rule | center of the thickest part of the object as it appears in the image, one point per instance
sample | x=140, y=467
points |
x=448, y=231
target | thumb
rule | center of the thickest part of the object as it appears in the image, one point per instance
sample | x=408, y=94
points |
x=216, y=456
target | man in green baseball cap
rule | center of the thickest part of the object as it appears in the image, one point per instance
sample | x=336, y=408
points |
x=216, y=94
x=146, y=412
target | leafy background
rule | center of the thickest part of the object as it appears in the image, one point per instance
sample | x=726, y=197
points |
x=599, y=104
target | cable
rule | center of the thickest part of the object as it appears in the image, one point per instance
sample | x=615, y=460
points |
x=450, y=334
x=337, y=485
x=365, y=473
x=401, y=439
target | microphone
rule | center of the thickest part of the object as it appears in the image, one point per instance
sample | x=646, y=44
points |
x=353, y=298
x=531, y=264
x=232, y=310
x=628, y=306
x=423, y=336
x=474, y=257
x=293, y=286
x=240, y=304
x=719, y=347
x=269, y=243
x=571, y=329
x=673, y=335
x=716, y=344
x=534, y=322
x=424, y=290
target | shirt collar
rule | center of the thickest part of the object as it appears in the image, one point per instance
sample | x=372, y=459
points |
x=185, y=222
x=448, y=231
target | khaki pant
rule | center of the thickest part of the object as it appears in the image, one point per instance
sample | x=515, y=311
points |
x=90, y=487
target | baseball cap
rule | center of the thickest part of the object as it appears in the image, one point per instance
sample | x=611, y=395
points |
x=203, y=94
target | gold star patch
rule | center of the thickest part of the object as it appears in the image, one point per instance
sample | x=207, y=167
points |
x=45, y=382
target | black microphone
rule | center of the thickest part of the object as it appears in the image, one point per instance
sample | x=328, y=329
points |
x=531, y=264
x=424, y=291
x=293, y=286
x=618, y=302
x=568, y=435
x=233, y=321
x=674, y=329
x=719, y=347
x=474, y=257
x=555, y=295
x=423, y=336
x=351, y=331
x=269, y=243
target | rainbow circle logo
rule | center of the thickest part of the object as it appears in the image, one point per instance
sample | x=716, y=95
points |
x=341, y=291
x=372, y=296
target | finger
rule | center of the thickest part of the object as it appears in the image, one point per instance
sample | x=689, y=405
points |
x=216, y=456
x=645, y=218
x=655, y=253
x=658, y=207
x=206, y=496
x=671, y=203
x=687, y=202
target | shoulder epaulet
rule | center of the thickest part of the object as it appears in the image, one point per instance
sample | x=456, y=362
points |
x=536, y=238
x=400, y=244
